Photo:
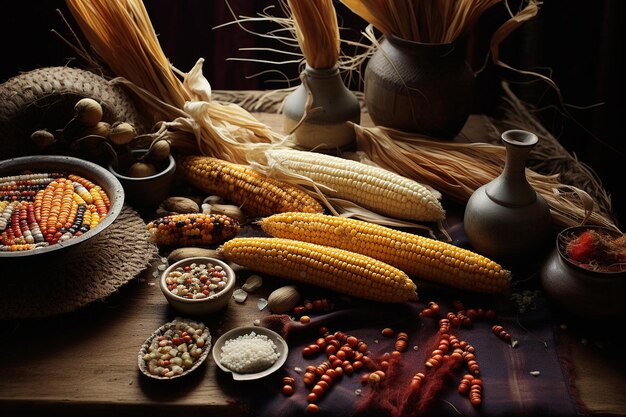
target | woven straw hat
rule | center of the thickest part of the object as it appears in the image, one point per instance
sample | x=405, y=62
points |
x=45, y=98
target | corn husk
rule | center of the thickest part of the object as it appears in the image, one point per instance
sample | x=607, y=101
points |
x=427, y=21
x=305, y=30
x=266, y=163
x=317, y=31
x=439, y=22
x=121, y=33
x=458, y=169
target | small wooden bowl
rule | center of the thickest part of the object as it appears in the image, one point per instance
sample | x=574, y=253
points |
x=143, y=367
x=146, y=193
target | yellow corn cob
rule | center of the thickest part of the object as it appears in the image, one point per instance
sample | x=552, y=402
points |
x=418, y=256
x=257, y=194
x=192, y=229
x=374, y=188
x=335, y=269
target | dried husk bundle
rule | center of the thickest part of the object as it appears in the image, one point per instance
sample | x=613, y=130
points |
x=426, y=21
x=317, y=31
x=306, y=30
x=458, y=169
x=121, y=33
x=440, y=22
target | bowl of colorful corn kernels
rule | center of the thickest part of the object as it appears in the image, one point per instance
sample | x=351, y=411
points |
x=198, y=286
x=51, y=202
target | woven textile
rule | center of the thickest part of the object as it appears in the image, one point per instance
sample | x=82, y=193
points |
x=45, y=98
x=66, y=280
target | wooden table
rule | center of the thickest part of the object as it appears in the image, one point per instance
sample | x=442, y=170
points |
x=85, y=363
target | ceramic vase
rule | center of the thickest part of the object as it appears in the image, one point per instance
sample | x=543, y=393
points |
x=333, y=105
x=506, y=219
x=419, y=87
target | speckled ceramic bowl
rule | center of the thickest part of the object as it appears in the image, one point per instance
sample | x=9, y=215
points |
x=202, y=306
x=68, y=165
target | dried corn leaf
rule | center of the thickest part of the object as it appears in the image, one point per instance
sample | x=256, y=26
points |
x=426, y=21
x=458, y=169
x=121, y=33
x=317, y=31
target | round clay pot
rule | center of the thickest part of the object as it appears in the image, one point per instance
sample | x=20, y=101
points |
x=144, y=193
x=581, y=291
x=419, y=87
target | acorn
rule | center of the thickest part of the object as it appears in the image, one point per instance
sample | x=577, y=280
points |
x=88, y=112
x=100, y=129
x=159, y=150
x=141, y=170
x=42, y=138
x=122, y=133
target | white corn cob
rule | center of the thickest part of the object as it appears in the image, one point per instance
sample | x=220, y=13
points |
x=373, y=188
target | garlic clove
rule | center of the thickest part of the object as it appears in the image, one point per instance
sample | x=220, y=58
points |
x=252, y=283
x=240, y=295
x=261, y=303
x=213, y=199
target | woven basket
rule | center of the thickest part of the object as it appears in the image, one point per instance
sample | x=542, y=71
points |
x=45, y=98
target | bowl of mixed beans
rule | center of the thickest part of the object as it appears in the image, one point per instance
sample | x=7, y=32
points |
x=198, y=285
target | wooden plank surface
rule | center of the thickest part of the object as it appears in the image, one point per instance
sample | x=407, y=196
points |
x=85, y=363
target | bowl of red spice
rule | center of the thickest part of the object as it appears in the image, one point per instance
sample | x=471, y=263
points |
x=585, y=274
x=51, y=202
x=198, y=285
x=594, y=248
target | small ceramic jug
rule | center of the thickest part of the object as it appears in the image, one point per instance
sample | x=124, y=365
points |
x=333, y=104
x=507, y=219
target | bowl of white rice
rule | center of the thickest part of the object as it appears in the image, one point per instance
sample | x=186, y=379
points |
x=250, y=352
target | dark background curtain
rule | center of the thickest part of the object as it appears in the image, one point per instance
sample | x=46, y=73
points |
x=578, y=44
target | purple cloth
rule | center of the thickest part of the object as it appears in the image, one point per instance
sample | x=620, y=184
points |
x=509, y=387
